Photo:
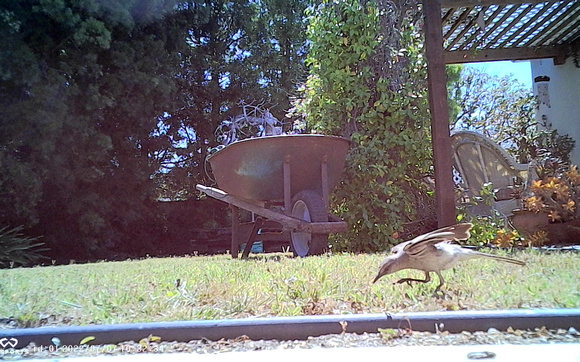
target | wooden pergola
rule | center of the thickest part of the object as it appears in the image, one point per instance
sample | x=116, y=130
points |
x=465, y=31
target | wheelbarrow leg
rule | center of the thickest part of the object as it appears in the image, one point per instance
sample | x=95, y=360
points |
x=252, y=237
x=235, y=231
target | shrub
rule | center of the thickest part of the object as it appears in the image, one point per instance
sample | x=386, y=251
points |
x=17, y=249
x=368, y=83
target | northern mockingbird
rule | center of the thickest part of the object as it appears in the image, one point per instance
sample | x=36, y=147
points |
x=433, y=252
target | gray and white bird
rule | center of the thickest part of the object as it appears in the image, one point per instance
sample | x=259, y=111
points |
x=433, y=252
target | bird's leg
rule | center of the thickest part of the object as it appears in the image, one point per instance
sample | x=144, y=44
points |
x=441, y=282
x=409, y=280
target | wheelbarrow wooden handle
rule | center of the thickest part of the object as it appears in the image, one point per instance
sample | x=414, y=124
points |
x=288, y=222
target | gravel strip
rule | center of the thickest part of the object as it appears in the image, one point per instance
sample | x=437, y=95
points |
x=387, y=338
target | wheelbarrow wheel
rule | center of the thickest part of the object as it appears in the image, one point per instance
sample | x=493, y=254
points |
x=309, y=206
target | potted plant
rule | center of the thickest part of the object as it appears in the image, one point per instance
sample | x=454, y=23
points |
x=554, y=202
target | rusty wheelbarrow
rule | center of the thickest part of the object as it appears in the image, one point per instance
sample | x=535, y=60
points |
x=285, y=180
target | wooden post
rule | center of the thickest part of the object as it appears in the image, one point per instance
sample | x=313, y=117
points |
x=437, y=81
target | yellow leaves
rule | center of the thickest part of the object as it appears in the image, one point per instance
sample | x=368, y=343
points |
x=536, y=186
x=569, y=206
x=150, y=343
x=554, y=216
x=573, y=175
x=508, y=239
x=534, y=203
x=562, y=191
x=553, y=184
x=556, y=196
x=537, y=239
x=87, y=339
x=505, y=239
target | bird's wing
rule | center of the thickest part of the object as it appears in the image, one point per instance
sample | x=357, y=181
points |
x=422, y=243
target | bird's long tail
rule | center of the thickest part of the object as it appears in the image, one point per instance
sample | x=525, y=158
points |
x=500, y=258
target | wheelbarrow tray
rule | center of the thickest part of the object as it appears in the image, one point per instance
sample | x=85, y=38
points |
x=253, y=168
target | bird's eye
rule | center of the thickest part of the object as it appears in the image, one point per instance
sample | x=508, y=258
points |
x=393, y=251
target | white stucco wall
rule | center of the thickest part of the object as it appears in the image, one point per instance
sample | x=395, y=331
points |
x=564, y=93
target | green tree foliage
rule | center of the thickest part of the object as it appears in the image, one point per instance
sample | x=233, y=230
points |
x=99, y=96
x=453, y=77
x=82, y=84
x=491, y=104
x=504, y=110
x=242, y=52
x=368, y=83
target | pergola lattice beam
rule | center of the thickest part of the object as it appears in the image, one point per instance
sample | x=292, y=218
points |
x=558, y=53
x=464, y=3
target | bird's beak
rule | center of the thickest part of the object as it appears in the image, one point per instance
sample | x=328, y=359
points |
x=384, y=269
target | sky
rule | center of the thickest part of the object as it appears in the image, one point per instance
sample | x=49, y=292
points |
x=521, y=70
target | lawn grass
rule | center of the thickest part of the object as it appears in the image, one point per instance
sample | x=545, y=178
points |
x=216, y=287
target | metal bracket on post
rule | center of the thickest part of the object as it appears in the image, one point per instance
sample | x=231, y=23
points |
x=287, y=189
